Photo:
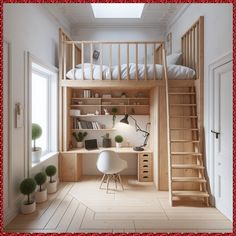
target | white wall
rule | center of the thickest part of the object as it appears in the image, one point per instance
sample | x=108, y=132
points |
x=218, y=37
x=28, y=27
x=119, y=34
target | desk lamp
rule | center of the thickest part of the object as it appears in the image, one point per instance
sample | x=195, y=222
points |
x=145, y=133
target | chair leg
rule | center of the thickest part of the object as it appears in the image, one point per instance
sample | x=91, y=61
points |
x=115, y=179
x=120, y=182
x=103, y=177
x=108, y=180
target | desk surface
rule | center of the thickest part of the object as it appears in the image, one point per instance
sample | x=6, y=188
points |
x=117, y=150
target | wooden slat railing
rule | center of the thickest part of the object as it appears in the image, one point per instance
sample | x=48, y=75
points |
x=78, y=47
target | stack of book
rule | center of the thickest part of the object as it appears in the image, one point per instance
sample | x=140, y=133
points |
x=82, y=124
x=87, y=93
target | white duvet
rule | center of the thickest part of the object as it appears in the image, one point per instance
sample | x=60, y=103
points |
x=173, y=72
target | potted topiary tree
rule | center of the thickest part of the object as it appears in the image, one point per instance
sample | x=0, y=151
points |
x=79, y=137
x=41, y=194
x=119, y=139
x=36, y=151
x=114, y=111
x=27, y=187
x=52, y=184
x=106, y=142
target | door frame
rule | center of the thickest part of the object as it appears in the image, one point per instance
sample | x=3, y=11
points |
x=211, y=160
x=9, y=212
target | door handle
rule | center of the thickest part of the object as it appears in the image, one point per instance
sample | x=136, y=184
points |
x=216, y=133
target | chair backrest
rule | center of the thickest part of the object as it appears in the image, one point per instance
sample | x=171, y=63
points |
x=109, y=162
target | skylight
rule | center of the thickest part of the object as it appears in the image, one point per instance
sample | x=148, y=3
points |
x=117, y=10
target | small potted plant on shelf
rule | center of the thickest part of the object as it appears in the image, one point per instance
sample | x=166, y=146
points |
x=41, y=194
x=36, y=151
x=27, y=187
x=106, y=142
x=79, y=137
x=114, y=111
x=52, y=184
x=119, y=139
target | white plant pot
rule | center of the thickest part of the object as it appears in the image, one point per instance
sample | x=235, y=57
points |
x=118, y=145
x=36, y=155
x=79, y=144
x=28, y=208
x=52, y=187
x=41, y=196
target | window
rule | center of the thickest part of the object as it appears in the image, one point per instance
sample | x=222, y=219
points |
x=117, y=10
x=44, y=102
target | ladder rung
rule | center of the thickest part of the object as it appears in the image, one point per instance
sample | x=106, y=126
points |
x=183, y=105
x=182, y=93
x=188, y=179
x=192, y=117
x=187, y=166
x=184, y=141
x=190, y=194
x=195, y=129
x=186, y=153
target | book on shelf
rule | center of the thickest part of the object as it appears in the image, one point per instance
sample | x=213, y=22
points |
x=89, y=125
x=82, y=124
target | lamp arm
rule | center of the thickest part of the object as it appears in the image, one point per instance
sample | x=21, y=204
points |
x=138, y=128
x=146, y=139
x=146, y=134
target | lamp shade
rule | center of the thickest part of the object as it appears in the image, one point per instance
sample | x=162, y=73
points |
x=125, y=119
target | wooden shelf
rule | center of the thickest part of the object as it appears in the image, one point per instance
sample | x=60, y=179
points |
x=104, y=115
x=130, y=98
x=93, y=129
x=113, y=105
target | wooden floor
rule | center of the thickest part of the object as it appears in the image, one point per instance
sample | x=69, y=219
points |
x=82, y=207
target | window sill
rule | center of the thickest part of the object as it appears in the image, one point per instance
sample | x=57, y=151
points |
x=44, y=158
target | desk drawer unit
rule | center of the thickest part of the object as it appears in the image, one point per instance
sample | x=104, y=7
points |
x=145, y=167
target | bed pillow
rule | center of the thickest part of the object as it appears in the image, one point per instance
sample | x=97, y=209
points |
x=174, y=59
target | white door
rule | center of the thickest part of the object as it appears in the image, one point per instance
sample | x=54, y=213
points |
x=223, y=138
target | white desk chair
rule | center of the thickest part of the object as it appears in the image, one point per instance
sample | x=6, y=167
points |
x=110, y=165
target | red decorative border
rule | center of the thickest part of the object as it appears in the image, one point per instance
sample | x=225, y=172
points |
x=119, y=1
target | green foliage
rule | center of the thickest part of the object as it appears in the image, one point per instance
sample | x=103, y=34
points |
x=27, y=187
x=119, y=139
x=106, y=136
x=114, y=110
x=51, y=171
x=36, y=133
x=80, y=136
x=40, y=179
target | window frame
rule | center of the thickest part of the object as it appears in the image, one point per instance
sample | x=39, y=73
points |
x=35, y=65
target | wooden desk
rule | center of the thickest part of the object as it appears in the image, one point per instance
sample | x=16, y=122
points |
x=128, y=150
x=70, y=163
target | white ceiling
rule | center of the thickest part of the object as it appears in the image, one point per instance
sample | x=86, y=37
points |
x=155, y=15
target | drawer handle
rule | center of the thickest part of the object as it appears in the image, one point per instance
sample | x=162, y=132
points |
x=145, y=155
x=145, y=160
x=145, y=166
x=145, y=177
x=145, y=171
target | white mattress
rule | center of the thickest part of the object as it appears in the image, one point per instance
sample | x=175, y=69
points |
x=173, y=71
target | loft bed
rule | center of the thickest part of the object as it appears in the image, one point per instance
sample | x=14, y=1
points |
x=77, y=69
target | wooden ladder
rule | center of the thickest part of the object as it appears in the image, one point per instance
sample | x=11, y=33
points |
x=187, y=180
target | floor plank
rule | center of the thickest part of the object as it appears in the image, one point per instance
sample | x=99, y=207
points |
x=83, y=207
x=78, y=217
